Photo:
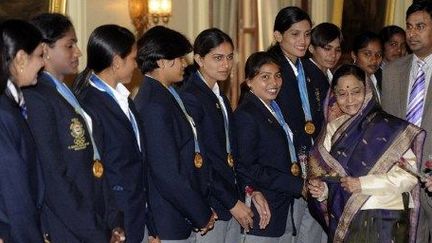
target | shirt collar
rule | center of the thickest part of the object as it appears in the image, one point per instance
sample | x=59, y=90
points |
x=13, y=91
x=215, y=88
x=120, y=92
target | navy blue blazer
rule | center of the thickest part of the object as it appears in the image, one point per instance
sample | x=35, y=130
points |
x=264, y=162
x=176, y=203
x=123, y=161
x=290, y=102
x=203, y=105
x=20, y=185
x=72, y=211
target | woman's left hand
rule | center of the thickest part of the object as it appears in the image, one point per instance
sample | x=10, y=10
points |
x=262, y=207
x=351, y=184
x=117, y=235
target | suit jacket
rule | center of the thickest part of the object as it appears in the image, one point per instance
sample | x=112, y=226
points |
x=177, y=204
x=264, y=162
x=20, y=184
x=395, y=84
x=203, y=105
x=123, y=161
x=290, y=101
x=70, y=210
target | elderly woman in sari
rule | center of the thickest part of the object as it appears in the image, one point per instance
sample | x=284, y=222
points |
x=362, y=167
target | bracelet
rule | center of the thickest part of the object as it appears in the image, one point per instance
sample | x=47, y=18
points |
x=249, y=190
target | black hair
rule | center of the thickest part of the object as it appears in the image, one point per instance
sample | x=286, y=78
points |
x=256, y=61
x=363, y=39
x=53, y=26
x=289, y=16
x=158, y=43
x=104, y=43
x=16, y=35
x=348, y=69
x=252, y=67
x=324, y=33
x=209, y=39
x=388, y=32
x=420, y=5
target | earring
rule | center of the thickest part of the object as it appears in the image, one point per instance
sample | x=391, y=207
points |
x=21, y=69
x=47, y=57
x=354, y=61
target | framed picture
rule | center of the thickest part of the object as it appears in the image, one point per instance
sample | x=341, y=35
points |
x=26, y=9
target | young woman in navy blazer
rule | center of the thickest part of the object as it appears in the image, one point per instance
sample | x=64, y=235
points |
x=76, y=207
x=211, y=110
x=300, y=99
x=170, y=134
x=111, y=61
x=263, y=148
x=21, y=187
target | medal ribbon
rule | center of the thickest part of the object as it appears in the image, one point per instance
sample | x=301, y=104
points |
x=226, y=123
x=225, y=117
x=104, y=87
x=71, y=99
x=189, y=118
x=301, y=82
x=279, y=117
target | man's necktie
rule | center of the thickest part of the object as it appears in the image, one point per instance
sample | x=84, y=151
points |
x=416, y=97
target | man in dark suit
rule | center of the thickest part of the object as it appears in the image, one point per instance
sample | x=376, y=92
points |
x=400, y=79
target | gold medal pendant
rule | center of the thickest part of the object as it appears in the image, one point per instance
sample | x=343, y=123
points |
x=198, y=160
x=295, y=169
x=98, y=169
x=230, y=160
x=309, y=127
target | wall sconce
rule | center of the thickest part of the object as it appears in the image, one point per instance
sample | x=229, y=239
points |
x=160, y=9
x=140, y=11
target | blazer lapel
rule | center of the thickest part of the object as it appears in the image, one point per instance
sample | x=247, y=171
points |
x=203, y=86
x=249, y=97
x=114, y=107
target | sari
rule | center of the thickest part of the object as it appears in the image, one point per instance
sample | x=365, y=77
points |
x=366, y=144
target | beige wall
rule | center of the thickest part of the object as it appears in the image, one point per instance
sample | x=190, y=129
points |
x=189, y=17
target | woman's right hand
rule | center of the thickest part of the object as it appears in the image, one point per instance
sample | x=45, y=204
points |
x=243, y=214
x=152, y=239
x=316, y=188
x=210, y=224
x=428, y=183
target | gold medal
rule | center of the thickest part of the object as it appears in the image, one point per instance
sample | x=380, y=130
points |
x=309, y=128
x=295, y=169
x=198, y=160
x=230, y=160
x=98, y=169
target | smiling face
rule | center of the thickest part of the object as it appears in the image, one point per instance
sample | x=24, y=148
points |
x=127, y=66
x=61, y=58
x=28, y=70
x=327, y=57
x=295, y=41
x=266, y=84
x=350, y=94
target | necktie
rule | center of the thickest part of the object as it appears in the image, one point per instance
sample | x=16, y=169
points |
x=22, y=106
x=416, y=97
